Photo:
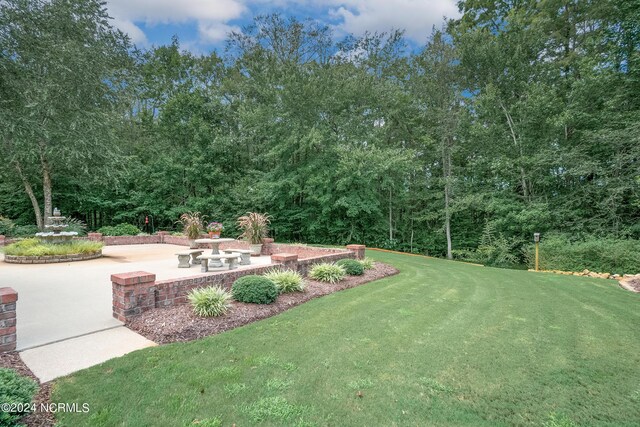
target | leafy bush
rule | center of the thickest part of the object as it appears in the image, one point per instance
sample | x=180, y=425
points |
x=286, y=280
x=14, y=389
x=123, y=229
x=255, y=289
x=24, y=230
x=559, y=252
x=74, y=224
x=351, y=266
x=331, y=273
x=367, y=263
x=6, y=226
x=210, y=301
x=34, y=247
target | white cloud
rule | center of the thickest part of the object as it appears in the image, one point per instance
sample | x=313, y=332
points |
x=417, y=17
x=212, y=17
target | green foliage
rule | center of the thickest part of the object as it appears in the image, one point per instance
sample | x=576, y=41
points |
x=6, y=226
x=367, y=263
x=351, y=266
x=331, y=273
x=122, y=229
x=24, y=231
x=254, y=289
x=76, y=225
x=603, y=255
x=210, y=301
x=286, y=280
x=14, y=390
x=35, y=247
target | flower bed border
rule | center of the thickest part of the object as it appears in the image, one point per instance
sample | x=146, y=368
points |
x=50, y=259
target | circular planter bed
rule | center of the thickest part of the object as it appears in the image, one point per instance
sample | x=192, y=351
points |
x=50, y=259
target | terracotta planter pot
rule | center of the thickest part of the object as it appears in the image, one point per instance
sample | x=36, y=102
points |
x=214, y=234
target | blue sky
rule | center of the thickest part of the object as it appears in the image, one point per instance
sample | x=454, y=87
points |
x=202, y=25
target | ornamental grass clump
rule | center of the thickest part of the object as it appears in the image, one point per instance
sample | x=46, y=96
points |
x=210, y=301
x=330, y=273
x=254, y=289
x=254, y=226
x=351, y=266
x=35, y=247
x=286, y=280
x=192, y=224
x=367, y=263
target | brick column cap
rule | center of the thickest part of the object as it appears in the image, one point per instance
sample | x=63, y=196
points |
x=133, y=278
x=356, y=247
x=267, y=240
x=8, y=295
x=284, y=257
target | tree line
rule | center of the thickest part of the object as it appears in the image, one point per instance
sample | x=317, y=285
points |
x=518, y=117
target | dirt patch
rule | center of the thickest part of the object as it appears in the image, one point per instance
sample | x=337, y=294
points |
x=631, y=283
x=178, y=323
x=13, y=361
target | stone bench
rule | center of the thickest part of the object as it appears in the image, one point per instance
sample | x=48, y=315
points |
x=230, y=258
x=183, y=257
x=245, y=255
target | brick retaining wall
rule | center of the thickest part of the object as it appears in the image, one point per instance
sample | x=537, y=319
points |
x=138, y=291
x=8, y=302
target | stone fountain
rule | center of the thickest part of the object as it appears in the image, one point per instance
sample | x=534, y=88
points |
x=54, y=233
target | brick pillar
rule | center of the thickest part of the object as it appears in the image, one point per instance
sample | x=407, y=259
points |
x=267, y=246
x=358, y=249
x=162, y=234
x=288, y=261
x=133, y=294
x=2, y=239
x=8, y=301
x=95, y=237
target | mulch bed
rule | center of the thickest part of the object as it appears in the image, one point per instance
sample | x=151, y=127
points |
x=178, y=323
x=13, y=361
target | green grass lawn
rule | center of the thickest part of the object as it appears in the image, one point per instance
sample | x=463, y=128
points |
x=442, y=344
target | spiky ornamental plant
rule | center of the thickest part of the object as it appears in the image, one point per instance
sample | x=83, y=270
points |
x=254, y=226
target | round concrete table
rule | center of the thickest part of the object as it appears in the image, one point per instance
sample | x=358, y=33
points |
x=215, y=243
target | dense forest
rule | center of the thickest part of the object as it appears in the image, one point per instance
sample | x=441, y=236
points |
x=521, y=116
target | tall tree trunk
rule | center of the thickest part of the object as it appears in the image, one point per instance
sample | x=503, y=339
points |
x=390, y=218
x=46, y=190
x=34, y=201
x=523, y=176
x=446, y=168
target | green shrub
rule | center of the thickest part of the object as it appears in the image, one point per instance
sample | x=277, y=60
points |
x=286, y=280
x=74, y=224
x=24, y=230
x=123, y=229
x=331, y=273
x=210, y=301
x=6, y=226
x=34, y=247
x=255, y=289
x=367, y=263
x=14, y=389
x=351, y=266
x=559, y=252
